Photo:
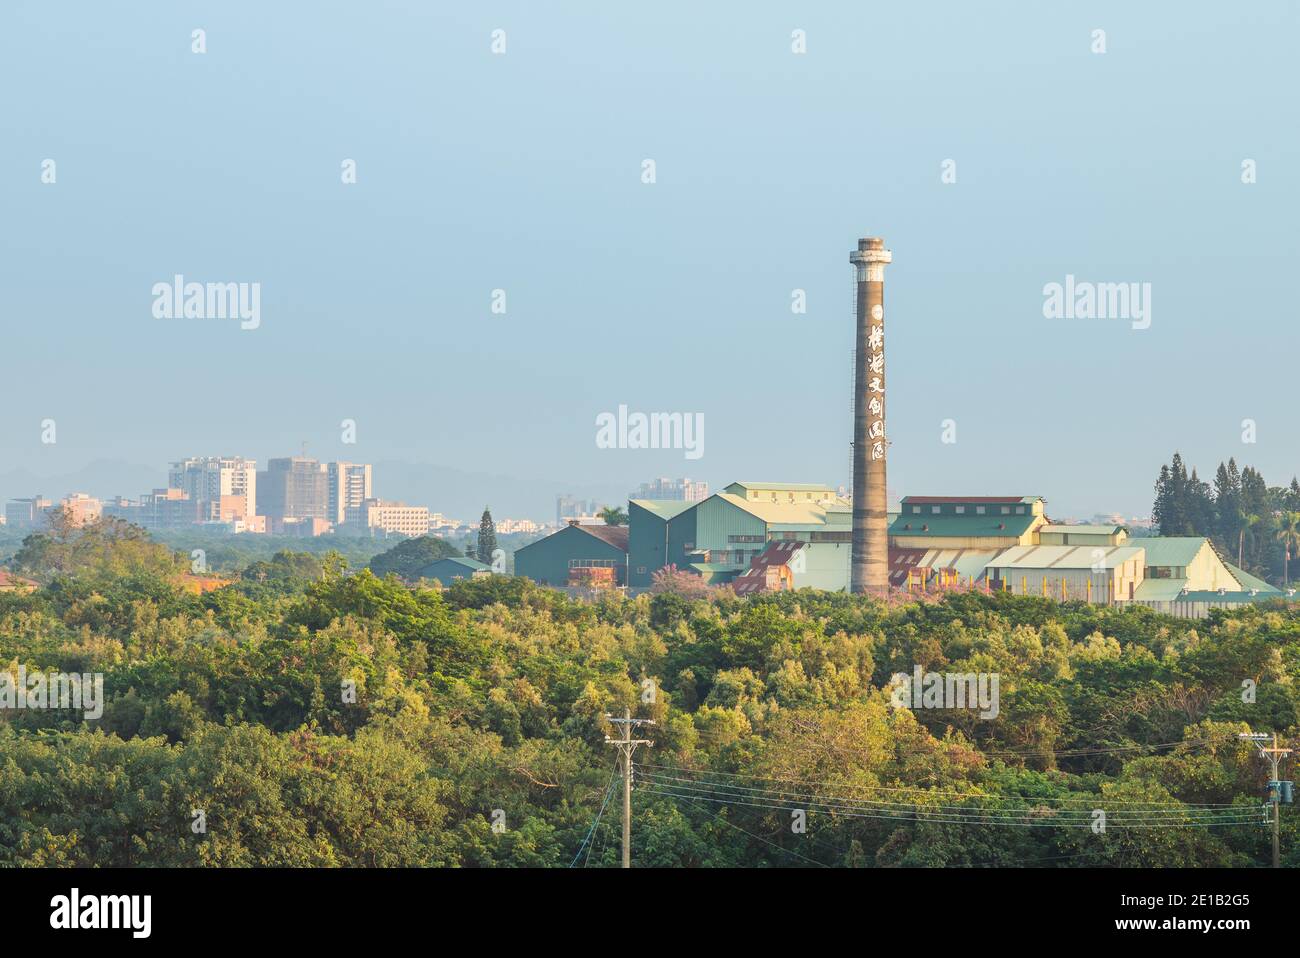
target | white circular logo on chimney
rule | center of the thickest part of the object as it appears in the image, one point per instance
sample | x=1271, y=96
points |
x=877, y=311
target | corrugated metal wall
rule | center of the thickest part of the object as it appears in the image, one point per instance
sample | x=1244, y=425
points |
x=547, y=560
x=716, y=519
x=647, y=545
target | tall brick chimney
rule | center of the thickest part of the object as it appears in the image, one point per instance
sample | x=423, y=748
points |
x=870, y=571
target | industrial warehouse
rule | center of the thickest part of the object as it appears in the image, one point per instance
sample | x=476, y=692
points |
x=764, y=536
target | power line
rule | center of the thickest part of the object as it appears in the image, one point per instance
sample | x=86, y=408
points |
x=1046, y=818
x=626, y=746
x=1043, y=814
x=947, y=818
x=609, y=790
x=1274, y=756
x=789, y=851
x=1090, y=800
x=1151, y=812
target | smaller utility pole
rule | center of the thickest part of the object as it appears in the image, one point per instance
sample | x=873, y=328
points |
x=1276, y=786
x=626, y=746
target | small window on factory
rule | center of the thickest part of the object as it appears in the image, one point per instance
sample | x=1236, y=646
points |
x=916, y=510
x=979, y=510
x=1006, y=510
x=934, y=510
x=961, y=510
x=1020, y=510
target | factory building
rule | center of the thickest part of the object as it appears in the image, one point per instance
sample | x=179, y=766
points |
x=578, y=556
x=1091, y=573
x=764, y=536
x=735, y=527
x=1008, y=544
x=453, y=569
x=951, y=539
x=659, y=531
x=1052, y=534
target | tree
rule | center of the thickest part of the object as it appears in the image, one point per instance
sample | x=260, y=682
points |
x=487, y=537
x=1163, y=508
x=1288, y=533
x=1173, y=507
x=614, y=516
x=408, y=557
x=1227, y=503
x=679, y=581
x=1200, y=507
x=104, y=551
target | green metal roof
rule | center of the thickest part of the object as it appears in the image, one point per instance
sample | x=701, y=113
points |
x=663, y=508
x=1064, y=557
x=782, y=486
x=472, y=565
x=1159, y=590
x=787, y=515
x=970, y=500
x=1082, y=530
x=1211, y=596
x=1171, y=550
x=950, y=526
x=1251, y=582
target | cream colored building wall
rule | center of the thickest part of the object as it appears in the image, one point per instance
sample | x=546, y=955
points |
x=1108, y=585
x=1207, y=571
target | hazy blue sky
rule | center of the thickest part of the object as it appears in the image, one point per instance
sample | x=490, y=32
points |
x=523, y=172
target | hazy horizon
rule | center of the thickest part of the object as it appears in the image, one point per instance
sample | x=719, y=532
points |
x=522, y=171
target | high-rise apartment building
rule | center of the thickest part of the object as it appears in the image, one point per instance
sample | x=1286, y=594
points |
x=224, y=487
x=567, y=507
x=689, y=490
x=27, y=513
x=350, y=484
x=169, y=508
x=377, y=517
x=293, y=488
x=80, y=509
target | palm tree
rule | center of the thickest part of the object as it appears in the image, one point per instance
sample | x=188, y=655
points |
x=1248, y=523
x=614, y=516
x=1288, y=533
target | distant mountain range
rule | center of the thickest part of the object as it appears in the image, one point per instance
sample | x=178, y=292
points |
x=462, y=495
x=103, y=478
x=455, y=493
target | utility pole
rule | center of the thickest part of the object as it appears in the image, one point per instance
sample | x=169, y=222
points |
x=1276, y=787
x=626, y=746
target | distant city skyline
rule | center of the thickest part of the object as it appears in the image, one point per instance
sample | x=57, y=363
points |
x=229, y=474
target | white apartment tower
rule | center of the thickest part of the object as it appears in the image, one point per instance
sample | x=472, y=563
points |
x=219, y=481
x=350, y=484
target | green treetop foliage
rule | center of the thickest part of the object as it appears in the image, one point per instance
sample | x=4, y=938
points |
x=614, y=516
x=322, y=718
x=103, y=551
x=1243, y=516
x=487, y=538
x=409, y=556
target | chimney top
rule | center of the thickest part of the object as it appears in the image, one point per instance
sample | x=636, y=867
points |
x=871, y=242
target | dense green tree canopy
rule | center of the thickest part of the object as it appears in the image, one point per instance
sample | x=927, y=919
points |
x=317, y=717
x=409, y=556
